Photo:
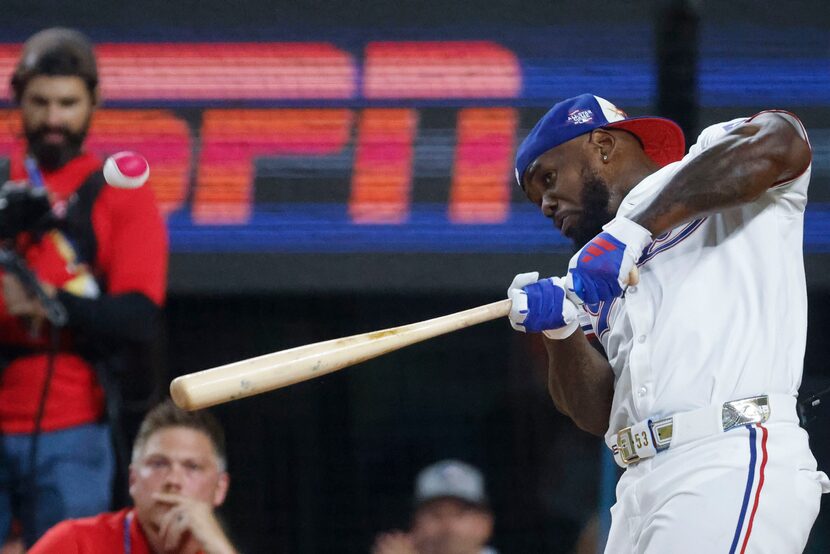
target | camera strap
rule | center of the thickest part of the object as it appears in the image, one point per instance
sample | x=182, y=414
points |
x=78, y=217
x=73, y=216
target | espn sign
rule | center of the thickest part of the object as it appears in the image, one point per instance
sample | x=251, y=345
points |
x=271, y=100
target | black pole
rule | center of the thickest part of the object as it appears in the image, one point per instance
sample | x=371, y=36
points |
x=677, y=35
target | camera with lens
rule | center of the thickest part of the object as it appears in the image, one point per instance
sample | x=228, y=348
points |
x=23, y=208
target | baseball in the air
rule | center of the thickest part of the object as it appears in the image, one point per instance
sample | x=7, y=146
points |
x=126, y=170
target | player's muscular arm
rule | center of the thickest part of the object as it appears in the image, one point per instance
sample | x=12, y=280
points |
x=737, y=169
x=580, y=382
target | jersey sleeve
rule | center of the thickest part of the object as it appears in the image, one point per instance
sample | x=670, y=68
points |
x=793, y=191
x=138, y=261
x=712, y=134
x=60, y=539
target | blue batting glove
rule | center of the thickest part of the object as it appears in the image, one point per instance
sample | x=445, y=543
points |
x=599, y=272
x=541, y=306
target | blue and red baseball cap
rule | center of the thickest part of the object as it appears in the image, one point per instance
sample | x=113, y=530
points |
x=662, y=138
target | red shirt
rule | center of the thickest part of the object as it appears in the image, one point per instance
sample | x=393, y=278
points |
x=131, y=257
x=103, y=534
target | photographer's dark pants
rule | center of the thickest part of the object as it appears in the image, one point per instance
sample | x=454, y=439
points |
x=73, y=478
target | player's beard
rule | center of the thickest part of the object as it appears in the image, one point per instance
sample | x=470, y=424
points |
x=51, y=156
x=595, y=198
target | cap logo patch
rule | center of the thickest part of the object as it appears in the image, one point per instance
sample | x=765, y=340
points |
x=578, y=117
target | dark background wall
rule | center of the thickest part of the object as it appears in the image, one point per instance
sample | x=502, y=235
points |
x=324, y=465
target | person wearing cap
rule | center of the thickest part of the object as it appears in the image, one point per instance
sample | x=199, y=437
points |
x=451, y=514
x=678, y=331
x=100, y=254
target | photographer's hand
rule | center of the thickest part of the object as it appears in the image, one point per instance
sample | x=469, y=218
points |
x=21, y=303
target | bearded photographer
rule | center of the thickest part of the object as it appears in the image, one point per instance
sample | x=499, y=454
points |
x=78, y=250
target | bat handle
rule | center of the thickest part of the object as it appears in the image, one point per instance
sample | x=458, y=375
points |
x=633, y=279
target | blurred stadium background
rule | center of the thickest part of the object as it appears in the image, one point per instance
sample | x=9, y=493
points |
x=329, y=168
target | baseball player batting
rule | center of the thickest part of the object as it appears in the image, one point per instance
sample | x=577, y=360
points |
x=695, y=388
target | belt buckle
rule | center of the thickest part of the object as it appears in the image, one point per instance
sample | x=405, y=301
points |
x=735, y=413
x=625, y=444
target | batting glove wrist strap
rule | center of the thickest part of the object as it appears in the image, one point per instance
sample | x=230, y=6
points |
x=633, y=235
x=563, y=332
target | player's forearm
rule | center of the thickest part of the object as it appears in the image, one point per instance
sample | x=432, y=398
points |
x=735, y=170
x=580, y=382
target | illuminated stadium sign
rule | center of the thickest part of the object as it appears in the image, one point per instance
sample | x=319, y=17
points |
x=206, y=164
x=307, y=147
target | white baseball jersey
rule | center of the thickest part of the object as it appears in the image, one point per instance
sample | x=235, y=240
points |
x=719, y=314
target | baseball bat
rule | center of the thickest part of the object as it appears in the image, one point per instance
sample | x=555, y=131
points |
x=286, y=367
x=269, y=372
